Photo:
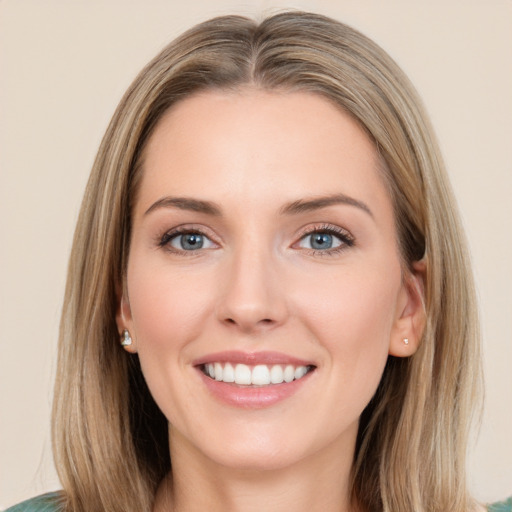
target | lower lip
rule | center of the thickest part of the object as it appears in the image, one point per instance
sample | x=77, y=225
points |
x=252, y=397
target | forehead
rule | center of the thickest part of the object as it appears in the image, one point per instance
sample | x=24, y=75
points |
x=259, y=145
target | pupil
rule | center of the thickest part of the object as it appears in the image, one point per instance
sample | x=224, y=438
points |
x=192, y=241
x=321, y=241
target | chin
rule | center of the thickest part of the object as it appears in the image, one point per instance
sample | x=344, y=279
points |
x=255, y=460
x=259, y=450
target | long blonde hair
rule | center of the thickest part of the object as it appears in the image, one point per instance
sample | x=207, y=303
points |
x=110, y=439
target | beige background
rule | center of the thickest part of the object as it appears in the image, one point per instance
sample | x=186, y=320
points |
x=64, y=66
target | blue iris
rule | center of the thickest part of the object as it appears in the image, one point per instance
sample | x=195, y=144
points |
x=191, y=241
x=321, y=241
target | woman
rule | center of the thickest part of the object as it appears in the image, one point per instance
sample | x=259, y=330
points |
x=269, y=303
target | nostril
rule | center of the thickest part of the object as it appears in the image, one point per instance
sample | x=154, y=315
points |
x=263, y=321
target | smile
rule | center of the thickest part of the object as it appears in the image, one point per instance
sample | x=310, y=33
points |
x=254, y=380
x=255, y=375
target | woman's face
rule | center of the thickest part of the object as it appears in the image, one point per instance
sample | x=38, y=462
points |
x=264, y=285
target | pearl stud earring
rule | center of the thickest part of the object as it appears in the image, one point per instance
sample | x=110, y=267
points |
x=406, y=341
x=126, y=339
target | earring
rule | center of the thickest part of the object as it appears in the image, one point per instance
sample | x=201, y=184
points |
x=406, y=341
x=126, y=339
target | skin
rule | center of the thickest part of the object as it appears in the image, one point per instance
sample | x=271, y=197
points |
x=257, y=285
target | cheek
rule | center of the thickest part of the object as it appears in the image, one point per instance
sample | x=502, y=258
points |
x=351, y=304
x=166, y=307
x=168, y=311
x=352, y=317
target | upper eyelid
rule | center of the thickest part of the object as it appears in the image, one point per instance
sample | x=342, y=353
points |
x=325, y=227
x=190, y=228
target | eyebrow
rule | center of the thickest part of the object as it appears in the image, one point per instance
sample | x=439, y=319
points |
x=186, y=203
x=293, y=208
x=316, y=203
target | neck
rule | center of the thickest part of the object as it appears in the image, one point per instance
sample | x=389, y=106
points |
x=320, y=482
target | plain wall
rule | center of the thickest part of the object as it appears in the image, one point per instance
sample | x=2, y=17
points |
x=64, y=66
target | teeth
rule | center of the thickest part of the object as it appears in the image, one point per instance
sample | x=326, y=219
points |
x=276, y=374
x=289, y=373
x=259, y=375
x=300, y=371
x=242, y=374
x=229, y=373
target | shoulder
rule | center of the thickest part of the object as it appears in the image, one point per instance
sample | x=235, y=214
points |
x=502, y=506
x=45, y=503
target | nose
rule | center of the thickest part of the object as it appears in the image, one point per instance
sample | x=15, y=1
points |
x=253, y=296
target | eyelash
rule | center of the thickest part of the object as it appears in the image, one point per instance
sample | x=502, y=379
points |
x=164, y=240
x=347, y=240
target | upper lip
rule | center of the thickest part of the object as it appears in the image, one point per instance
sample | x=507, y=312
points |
x=251, y=358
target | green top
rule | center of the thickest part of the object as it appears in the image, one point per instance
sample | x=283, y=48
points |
x=44, y=503
x=502, y=506
x=49, y=503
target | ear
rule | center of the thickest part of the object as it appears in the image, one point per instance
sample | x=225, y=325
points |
x=410, y=315
x=124, y=320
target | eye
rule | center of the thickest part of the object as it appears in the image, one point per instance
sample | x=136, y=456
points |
x=328, y=240
x=186, y=241
x=320, y=241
